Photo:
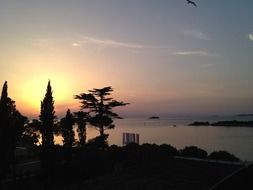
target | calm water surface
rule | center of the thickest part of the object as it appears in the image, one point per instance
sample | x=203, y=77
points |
x=237, y=140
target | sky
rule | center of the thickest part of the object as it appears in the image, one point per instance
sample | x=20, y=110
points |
x=164, y=57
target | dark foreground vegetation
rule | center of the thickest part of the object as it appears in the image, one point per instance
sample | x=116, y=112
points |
x=148, y=166
x=30, y=159
x=233, y=123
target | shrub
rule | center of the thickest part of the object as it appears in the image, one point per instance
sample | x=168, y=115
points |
x=223, y=155
x=99, y=142
x=169, y=150
x=193, y=151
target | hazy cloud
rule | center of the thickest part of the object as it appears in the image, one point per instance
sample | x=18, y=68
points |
x=250, y=37
x=193, y=53
x=109, y=43
x=196, y=34
x=76, y=44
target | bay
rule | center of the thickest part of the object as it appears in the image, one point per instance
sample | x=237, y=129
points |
x=176, y=132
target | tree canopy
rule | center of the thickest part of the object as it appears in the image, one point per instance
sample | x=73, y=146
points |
x=81, y=119
x=10, y=118
x=47, y=118
x=100, y=106
x=67, y=129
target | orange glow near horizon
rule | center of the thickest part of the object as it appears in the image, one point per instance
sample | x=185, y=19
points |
x=31, y=92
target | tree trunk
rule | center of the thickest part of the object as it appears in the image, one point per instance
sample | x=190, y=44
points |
x=101, y=131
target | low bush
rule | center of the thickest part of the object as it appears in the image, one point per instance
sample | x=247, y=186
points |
x=224, y=156
x=193, y=151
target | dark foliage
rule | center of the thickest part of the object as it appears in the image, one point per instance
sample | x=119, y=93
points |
x=169, y=150
x=67, y=129
x=193, y=151
x=7, y=131
x=81, y=119
x=68, y=134
x=116, y=152
x=99, y=142
x=47, y=119
x=100, y=106
x=133, y=154
x=31, y=132
x=224, y=156
x=20, y=123
x=12, y=124
x=150, y=151
x=148, y=163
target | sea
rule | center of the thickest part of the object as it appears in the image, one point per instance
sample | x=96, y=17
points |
x=176, y=132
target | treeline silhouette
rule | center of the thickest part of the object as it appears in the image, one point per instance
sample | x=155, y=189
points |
x=61, y=166
x=96, y=109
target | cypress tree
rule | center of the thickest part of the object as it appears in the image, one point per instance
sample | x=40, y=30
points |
x=67, y=129
x=68, y=134
x=47, y=119
x=7, y=132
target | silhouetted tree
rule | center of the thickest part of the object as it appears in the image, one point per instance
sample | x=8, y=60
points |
x=7, y=131
x=20, y=123
x=47, y=119
x=81, y=119
x=31, y=132
x=100, y=106
x=98, y=142
x=67, y=129
x=12, y=124
x=68, y=134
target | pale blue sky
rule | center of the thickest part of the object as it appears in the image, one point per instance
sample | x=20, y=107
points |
x=162, y=56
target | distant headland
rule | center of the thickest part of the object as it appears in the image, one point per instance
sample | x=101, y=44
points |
x=245, y=115
x=233, y=123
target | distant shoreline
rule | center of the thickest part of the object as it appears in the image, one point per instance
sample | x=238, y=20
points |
x=233, y=123
x=244, y=115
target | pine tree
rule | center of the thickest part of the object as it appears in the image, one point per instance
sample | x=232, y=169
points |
x=47, y=119
x=100, y=106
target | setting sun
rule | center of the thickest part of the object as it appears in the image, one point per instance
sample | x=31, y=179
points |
x=31, y=91
x=95, y=88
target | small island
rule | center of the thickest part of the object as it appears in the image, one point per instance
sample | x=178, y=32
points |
x=154, y=117
x=233, y=123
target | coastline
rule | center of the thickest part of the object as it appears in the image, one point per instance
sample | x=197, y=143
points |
x=231, y=123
